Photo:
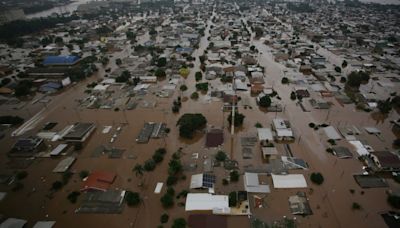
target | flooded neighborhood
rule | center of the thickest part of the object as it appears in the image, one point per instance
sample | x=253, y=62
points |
x=200, y=113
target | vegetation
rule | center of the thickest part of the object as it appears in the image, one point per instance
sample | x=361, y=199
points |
x=66, y=177
x=285, y=80
x=195, y=95
x=160, y=73
x=17, y=186
x=344, y=64
x=83, y=174
x=221, y=156
x=183, y=193
x=167, y=200
x=189, y=123
x=171, y=180
x=293, y=96
x=225, y=182
x=355, y=78
x=73, y=196
x=118, y=61
x=179, y=223
x=258, y=125
x=124, y=77
x=356, y=206
x=232, y=199
x=239, y=118
x=202, y=86
x=57, y=185
x=23, y=88
x=265, y=101
x=162, y=62
x=21, y=175
x=164, y=218
x=183, y=88
x=149, y=165
x=338, y=69
x=184, y=72
x=394, y=201
x=132, y=198
x=174, y=166
x=311, y=125
x=13, y=120
x=317, y=178
x=198, y=76
x=385, y=106
x=234, y=176
x=138, y=169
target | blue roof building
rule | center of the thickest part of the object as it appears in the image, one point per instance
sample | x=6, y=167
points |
x=60, y=60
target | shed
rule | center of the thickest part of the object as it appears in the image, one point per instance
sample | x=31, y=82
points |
x=289, y=181
x=331, y=133
x=206, y=202
x=252, y=184
x=44, y=224
x=265, y=134
x=13, y=223
x=64, y=165
x=58, y=150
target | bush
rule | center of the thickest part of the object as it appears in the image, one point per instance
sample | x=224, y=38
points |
x=202, y=86
x=184, y=72
x=171, y=180
x=338, y=69
x=265, y=101
x=158, y=157
x=258, y=125
x=317, y=178
x=175, y=166
x=73, y=196
x=356, y=206
x=293, y=96
x=17, y=187
x=132, y=198
x=164, y=218
x=183, y=88
x=198, y=76
x=161, y=151
x=189, y=123
x=394, y=201
x=332, y=141
x=232, y=199
x=220, y=156
x=13, y=120
x=239, y=118
x=167, y=200
x=285, y=80
x=160, y=73
x=329, y=150
x=21, y=175
x=57, y=185
x=343, y=79
x=195, y=95
x=171, y=191
x=179, y=223
x=234, y=176
x=83, y=174
x=225, y=182
x=149, y=165
x=311, y=125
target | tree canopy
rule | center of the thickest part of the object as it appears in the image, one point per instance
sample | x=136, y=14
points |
x=265, y=101
x=189, y=123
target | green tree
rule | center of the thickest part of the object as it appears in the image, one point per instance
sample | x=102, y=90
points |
x=164, y=218
x=239, y=118
x=198, y=76
x=149, y=165
x=162, y=62
x=175, y=166
x=293, y=96
x=138, y=169
x=233, y=199
x=57, y=185
x=221, y=156
x=132, y=198
x=167, y=200
x=195, y=95
x=265, y=101
x=338, y=69
x=285, y=80
x=234, y=175
x=118, y=61
x=344, y=64
x=385, y=106
x=160, y=73
x=183, y=88
x=189, y=123
x=73, y=196
x=83, y=174
x=317, y=178
x=179, y=223
x=202, y=86
x=394, y=201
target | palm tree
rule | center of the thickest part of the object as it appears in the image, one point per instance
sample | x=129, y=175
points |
x=138, y=169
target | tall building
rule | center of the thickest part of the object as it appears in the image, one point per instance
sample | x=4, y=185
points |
x=8, y=15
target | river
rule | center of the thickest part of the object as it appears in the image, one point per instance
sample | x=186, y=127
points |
x=59, y=9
